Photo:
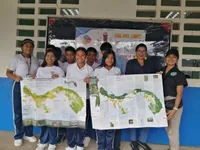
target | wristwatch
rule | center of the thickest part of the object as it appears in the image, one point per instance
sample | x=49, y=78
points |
x=175, y=108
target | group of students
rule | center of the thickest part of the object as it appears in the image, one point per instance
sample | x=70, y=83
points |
x=82, y=64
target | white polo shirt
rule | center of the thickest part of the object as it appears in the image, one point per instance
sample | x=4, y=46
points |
x=102, y=71
x=47, y=72
x=65, y=66
x=22, y=66
x=95, y=65
x=74, y=72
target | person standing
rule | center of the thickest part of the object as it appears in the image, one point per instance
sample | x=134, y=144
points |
x=49, y=69
x=174, y=82
x=140, y=65
x=21, y=66
x=105, y=138
x=82, y=71
x=92, y=57
x=70, y=54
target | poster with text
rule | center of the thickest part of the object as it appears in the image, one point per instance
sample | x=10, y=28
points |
x=133, y=101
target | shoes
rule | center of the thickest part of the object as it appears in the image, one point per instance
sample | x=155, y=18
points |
x=51, y=147
x=134, y=145
x=80, y=148
x=69, y=148
x=42, y=146
x=144, y=145
x=18, y=142
x=31, y=139
x=86, y=141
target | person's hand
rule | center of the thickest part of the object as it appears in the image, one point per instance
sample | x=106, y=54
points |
x=159, y=73
x=54, y=76
x=87, y=80
x=33, y=76
x=18, y=78
x=170, y=114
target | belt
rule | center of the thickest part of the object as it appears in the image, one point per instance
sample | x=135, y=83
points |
x=167, y=98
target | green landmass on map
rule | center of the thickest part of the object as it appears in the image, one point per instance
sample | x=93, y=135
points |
x=76, y=102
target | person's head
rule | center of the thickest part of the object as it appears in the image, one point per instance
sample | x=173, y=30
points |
x=105, y=46
x=50, y=47
x=172, y=57
x=108, y=59
x=50, y=59
x=141, y=51
x=27, y=46
x=70, y=53
x=58, y=53
x=91, y=54
x=81, y=55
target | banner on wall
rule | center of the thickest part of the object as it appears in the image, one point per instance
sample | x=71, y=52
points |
x=120, y=39
x=60, y=104
x=133, y=101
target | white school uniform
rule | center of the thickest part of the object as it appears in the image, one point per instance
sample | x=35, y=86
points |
x=74, y=72
x=47, y=72
x=22, y=66
x=66, y=65
x=102, y=71
x=95, y=65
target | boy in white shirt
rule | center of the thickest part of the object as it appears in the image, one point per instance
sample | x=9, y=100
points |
x=79, y=70
x=70, y=53
x=92, y=57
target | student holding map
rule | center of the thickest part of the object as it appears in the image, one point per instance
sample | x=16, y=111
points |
x=82, y=71
x=105, y=138
x=49, y=69
x=174, y=82
x=140, y=65
x=70, y=53
x=92, y=57
x=21, y=66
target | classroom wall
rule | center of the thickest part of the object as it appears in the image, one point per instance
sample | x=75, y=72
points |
x=105, y=8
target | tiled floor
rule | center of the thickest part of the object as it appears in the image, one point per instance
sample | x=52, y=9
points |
x=6, y=143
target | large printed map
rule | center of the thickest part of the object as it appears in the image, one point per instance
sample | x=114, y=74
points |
x=127, y=102
x=53, y=102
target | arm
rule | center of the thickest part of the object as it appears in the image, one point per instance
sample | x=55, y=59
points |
x=179, y=90
x=10, y=74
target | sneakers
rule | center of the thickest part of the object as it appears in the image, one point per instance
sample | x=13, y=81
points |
x=51, y=147
x=69, y=148
x=31, y=139
x=80, y=148
x=86, y=141
x=144, y=145
x=18, y=142
x=41, y=146
x=134, y=145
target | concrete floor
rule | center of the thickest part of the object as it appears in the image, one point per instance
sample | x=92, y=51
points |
x=6, y=143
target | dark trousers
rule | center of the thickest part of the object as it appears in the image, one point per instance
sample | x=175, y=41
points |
x=20, y=130
x=88, y=130
x=48, y=135
x=117, y=140
x=75, y=137
x=105, y=139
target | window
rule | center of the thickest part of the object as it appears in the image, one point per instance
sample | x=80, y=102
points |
x=29, y=33
x=146, y=14
x=175, y=38
x=26, y=1
x=193, y=27
x=69, y=1
x=48, y=1
x=42, y=22
x=171, y=2
x=69, y=11
x=170, y=14
x=26, y=11
x=191, y=50
x=27, y=22
x=192, y=15
x=192, y=74
x=191, y=39
x=190, y=63
x=146, y=2
x=18, y=43
x=41, y=44
x=47, y=11
x=192, y=3
x=41, y=33
x=40, y=55
x=176, y=26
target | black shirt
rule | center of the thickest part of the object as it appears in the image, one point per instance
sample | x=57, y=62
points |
x=133, y=67
x=171, y=80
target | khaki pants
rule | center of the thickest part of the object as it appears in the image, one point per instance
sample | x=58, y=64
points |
x=173, y=130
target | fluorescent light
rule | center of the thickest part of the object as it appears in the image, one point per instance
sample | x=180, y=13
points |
x=176, y=15
x=77, y=11
x=71, y=12
x=66, y=13
x=168, y=16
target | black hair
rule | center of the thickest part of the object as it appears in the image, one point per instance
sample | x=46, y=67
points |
x=92, y=49
x=81, y=49
x=140, y=45
x=58, y=53
x=44, y=63
x=70, y=49
x=27, y=41
x=105, y=55
x=50, y=46
x=105, y=46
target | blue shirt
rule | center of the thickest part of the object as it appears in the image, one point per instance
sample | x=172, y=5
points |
x=120, y=63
